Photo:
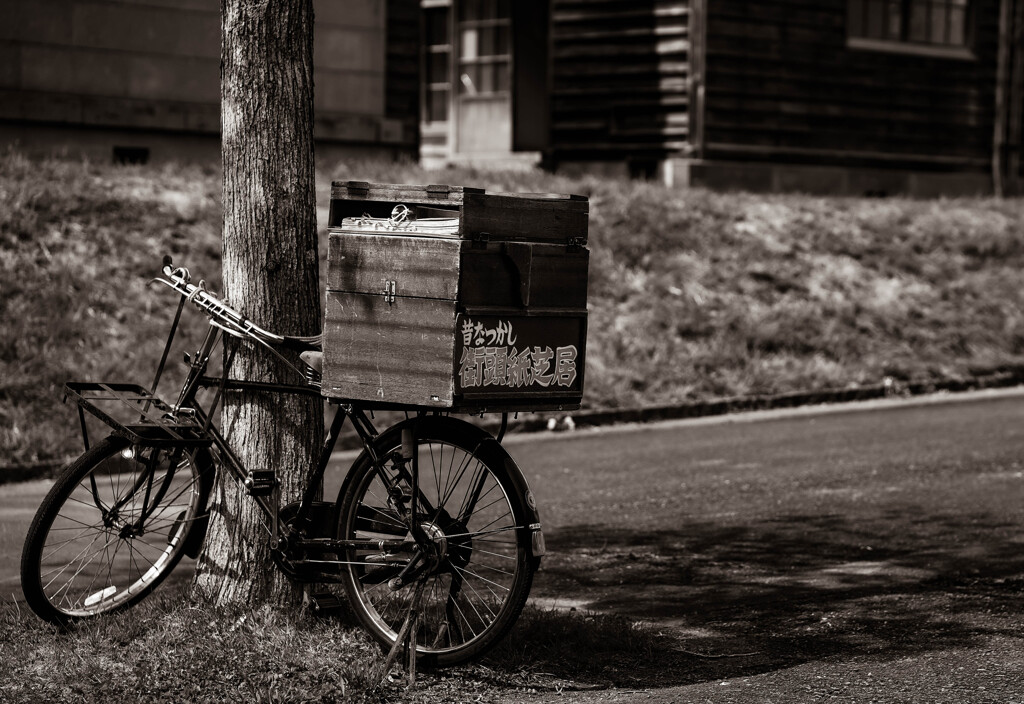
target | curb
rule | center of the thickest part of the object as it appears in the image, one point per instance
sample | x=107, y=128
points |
x=890, y=388
x=32, y=470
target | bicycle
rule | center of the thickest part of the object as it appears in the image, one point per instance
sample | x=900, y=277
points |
x=434, y=518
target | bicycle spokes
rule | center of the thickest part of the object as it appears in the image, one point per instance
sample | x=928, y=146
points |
x=468, y=566
x=114, y=531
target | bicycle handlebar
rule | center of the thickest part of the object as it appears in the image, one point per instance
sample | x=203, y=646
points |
x=227, y=319
x=221, y=314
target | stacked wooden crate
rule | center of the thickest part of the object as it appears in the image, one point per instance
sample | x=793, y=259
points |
x=472, y=302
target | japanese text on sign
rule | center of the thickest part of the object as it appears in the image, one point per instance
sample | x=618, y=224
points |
x=490, y=358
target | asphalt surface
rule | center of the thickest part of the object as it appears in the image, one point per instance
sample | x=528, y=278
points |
x=869, y=552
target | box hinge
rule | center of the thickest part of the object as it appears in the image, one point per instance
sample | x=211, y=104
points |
x=358, y=188
x=438, y=191
x=521, y=256
x=390, y=289
x=576, y=243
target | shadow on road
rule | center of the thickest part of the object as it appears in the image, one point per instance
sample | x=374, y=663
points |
x=733, y=600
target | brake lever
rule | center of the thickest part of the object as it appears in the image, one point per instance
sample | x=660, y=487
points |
x=181, y=273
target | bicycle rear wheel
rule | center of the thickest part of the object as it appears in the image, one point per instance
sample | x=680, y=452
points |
x=112, y=527
x=474, y=587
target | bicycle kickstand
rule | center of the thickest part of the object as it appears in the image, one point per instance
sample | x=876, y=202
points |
x=406, y=639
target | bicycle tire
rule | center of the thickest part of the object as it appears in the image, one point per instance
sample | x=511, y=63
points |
x=475, y=593
x=86, y=553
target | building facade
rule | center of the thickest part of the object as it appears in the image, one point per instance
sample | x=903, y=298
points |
x=858, y=96
x=139, y=80
x=849, y=96
x=838, y=96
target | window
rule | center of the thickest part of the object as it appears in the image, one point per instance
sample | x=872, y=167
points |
x=437, y=62
x=910, y=24
x=131, y=155
x=484, y=53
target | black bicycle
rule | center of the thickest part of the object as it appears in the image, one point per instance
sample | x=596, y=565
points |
x=434, y=517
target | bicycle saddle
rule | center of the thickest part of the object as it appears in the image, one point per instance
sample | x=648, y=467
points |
x=313, y=359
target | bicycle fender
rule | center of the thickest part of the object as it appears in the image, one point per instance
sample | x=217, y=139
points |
x=197, y=534
x=490, y=448
x=531, y=513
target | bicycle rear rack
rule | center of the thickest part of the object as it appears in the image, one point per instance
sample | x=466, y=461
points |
x=155, y=425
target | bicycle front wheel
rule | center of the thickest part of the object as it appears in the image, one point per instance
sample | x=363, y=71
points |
x=473, y=586
x=112, y=527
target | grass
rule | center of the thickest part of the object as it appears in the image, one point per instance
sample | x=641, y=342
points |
x=693, y=295
x=78, y=243
x=161, y=651
x=170, y=650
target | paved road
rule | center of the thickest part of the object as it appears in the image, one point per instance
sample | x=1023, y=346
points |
x=875, y=555
x=18, y=503
x=856, y=552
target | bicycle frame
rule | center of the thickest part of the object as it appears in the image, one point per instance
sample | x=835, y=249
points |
x=286, y=540
x=291, y=543
x=467, y=525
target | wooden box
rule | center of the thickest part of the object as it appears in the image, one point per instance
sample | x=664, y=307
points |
x=477, y=301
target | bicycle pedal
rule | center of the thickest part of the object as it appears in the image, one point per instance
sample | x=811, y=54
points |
x=324, y=602
x=261, y=482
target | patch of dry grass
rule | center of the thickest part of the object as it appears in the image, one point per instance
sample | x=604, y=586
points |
x=172, y=648
x=78, y=243
x=704, y=295
x=168, y=649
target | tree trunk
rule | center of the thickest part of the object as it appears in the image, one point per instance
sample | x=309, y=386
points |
x=271, y=274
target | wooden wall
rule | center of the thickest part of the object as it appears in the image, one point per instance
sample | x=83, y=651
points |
x=620, y=86
x=349, y=55
x=402, y=70
x=128, y=64
x=155, y=65
x=782, y=85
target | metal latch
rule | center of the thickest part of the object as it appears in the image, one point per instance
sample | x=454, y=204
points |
x=390, y=288
x=480, y=239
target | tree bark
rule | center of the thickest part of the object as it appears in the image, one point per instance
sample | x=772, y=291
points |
x=271, y=274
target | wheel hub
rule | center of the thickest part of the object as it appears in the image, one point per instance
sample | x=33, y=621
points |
x=438, y=538
x=127, y=531
x=113, y=522
x=460, y=549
